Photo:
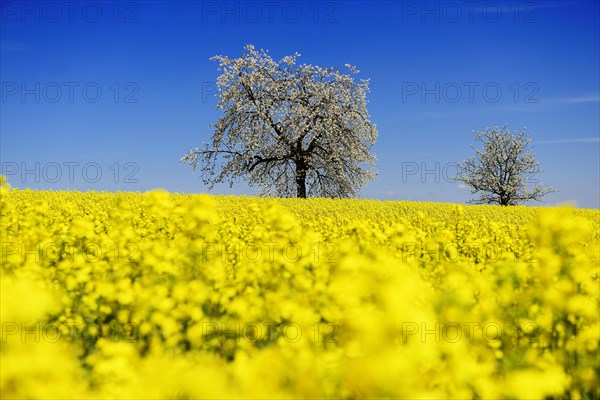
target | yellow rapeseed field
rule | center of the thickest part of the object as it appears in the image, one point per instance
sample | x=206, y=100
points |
x=158, y=295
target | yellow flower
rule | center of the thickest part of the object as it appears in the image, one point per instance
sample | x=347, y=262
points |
x=160, y=295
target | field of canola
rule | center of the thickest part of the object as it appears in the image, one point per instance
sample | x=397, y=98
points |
x=160, y=295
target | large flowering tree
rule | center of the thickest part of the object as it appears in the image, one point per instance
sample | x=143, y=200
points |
x=292, y=130
x=501, y=171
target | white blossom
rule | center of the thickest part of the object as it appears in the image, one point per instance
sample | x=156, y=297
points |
x=292, y=130
x=501, y=171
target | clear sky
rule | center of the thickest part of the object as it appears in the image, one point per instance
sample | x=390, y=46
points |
x=109, y=95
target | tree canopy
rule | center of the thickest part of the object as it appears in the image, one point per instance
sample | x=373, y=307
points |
x=502, y=170
x=292, y=130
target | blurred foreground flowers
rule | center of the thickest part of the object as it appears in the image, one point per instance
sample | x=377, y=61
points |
x=162, y=295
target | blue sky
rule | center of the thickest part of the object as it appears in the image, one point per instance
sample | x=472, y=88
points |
x=109, y=95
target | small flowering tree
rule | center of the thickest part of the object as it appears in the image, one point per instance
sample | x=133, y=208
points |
x=501, y=170
x=293, y=130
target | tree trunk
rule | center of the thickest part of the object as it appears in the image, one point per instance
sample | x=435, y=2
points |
x=300, y=179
